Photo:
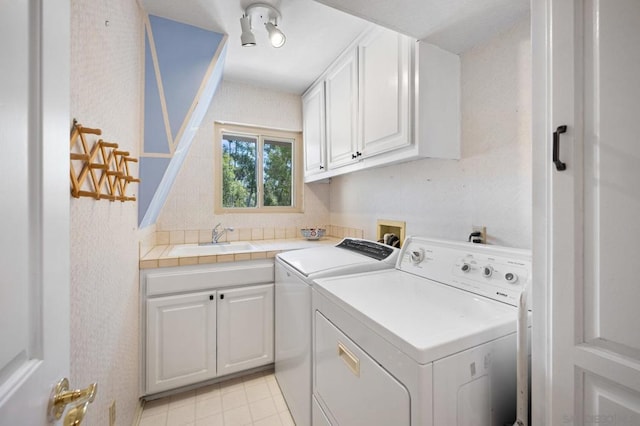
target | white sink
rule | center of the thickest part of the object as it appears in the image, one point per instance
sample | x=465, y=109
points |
x=185, y=250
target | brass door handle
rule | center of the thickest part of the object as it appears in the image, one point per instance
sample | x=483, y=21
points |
x=76, y=414
x=61, y=396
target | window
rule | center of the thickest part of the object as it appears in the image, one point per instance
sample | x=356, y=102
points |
x=257, y=169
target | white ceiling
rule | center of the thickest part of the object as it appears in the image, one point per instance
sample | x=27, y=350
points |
x=316, y=34
x=454, y=25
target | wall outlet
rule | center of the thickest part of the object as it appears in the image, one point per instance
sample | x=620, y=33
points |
x=112, y=414
x=483, y=234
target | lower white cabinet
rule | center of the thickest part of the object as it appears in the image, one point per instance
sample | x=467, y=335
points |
x=181, y=340
x=202, y=322
x=245, y=328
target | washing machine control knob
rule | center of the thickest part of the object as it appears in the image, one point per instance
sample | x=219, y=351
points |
x=511, y=278
x=417, y=255
x=487, y=271
x=465, y=267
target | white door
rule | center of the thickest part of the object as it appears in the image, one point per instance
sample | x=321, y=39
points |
x=245, y=328
x=34, y=206
x=587, y=226
x=342, y=111
x=181, y=340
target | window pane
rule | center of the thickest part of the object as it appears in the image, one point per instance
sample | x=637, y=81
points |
x=277, y=171
x=239, y=184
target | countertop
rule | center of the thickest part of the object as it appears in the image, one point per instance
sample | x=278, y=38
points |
x=159, y=257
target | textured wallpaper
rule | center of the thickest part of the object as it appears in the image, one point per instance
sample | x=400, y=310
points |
x=106, y=92
x=189, y=205
x=490, y=185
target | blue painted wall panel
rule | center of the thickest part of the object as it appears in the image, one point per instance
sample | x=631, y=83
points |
x=155, y=136
x=151, y=173
x=184, y=54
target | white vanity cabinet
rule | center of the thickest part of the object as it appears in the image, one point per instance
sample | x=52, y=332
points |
x=181, y=340
x=245, y=328
x=205, y=321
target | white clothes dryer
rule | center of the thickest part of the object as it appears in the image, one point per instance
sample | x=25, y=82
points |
x=295, y=272
x=431, y=342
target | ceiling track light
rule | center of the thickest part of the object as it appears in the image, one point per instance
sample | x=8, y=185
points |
x=261, y=13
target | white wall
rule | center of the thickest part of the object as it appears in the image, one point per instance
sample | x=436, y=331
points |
x=189, y=205
x=490, y=185
x=106, y=90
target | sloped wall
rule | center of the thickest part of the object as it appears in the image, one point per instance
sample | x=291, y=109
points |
x=183, y=67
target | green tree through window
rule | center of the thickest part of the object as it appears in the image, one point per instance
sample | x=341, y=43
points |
x=241, y=169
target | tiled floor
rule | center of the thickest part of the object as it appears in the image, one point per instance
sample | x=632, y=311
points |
x=251, y=400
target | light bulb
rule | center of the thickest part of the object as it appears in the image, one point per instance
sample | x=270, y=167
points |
x=276, y=36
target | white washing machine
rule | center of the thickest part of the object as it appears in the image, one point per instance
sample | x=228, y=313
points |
x=295, y=272
x=431, y=342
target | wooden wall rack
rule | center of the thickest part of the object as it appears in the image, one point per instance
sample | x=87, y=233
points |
x=106, y=167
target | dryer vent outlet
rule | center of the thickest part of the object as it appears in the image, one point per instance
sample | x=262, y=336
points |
x=475, y=238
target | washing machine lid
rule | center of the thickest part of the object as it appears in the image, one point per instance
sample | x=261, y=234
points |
x=424, y=319
x=335, y=260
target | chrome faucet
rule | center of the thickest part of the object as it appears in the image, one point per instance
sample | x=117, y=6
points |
x=216, y=234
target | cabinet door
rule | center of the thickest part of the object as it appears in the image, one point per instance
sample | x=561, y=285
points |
x=181, y=340
x=384, y=91
x=313, y=128
x=245, y=328
x=341, y=87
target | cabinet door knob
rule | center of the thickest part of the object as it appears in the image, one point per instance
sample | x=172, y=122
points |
x=321, y=167
x=211, y=297
x=222, y=296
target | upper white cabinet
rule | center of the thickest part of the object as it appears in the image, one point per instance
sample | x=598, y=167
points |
x=341, y=87
x=384, y=91
x=406, y=103
x=313, y=130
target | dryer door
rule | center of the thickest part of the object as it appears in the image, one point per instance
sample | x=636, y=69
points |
x=351, y=387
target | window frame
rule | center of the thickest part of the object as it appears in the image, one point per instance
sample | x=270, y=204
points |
x=261, y=134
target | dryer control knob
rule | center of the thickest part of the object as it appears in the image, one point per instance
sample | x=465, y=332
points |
x=465, y=267
x=417, y=256
x=487, y=271
x=511, y=278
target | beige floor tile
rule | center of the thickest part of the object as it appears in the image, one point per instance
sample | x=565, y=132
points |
x=231, y=385
x=215, y=420
x=182, y=415
x=181, y=399
x=208, y=407
x=263, y=408
x=274, y=388
x=257, y=392
x=208, y=392
x=280, y=403
x=237, y=416
x=234, y=399
x=159, y=419
x=269, y=421
x=286, y=419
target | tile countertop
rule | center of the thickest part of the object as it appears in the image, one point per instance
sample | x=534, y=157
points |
x=158, y=256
